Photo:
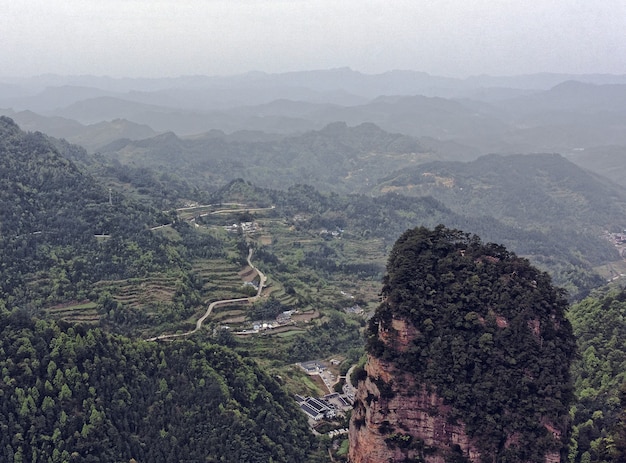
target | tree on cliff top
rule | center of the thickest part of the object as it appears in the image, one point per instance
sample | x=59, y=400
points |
x=493, y=340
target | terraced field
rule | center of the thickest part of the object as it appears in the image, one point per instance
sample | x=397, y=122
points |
x=141, y=293
x=364, y=250
x=220, y=278
x=81, y=312
x=359, y=265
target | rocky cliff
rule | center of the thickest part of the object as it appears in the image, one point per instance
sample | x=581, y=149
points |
x=402, y=421
x=468, y=358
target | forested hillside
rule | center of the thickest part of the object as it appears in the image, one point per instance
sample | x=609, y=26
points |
x=337, y=158
x=600, y=378
x=50, y=221
x=81, y=395
x=545, y=191
x=540, y=193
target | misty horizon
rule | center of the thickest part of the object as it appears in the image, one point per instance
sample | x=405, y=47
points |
x=218, y=38
x=260, y=73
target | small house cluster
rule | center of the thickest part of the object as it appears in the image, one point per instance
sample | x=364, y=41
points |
x=354, y=310
x=619, y=241
x=348, y=295
x=331, y=234
x=312, y=367
x=315, y=408
x=326, y=407
x=284, y=318
x=618, y=238
x=252, y=283
x=337, y=432
x=246, y=227
x=316, y=368
x=258, y=326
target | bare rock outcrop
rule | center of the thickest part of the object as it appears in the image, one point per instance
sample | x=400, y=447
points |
x=403, y=422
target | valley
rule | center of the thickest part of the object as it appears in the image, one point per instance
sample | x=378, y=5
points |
x=312, y=231
x=262, y=232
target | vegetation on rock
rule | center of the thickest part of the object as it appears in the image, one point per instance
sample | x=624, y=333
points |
x=492, y=339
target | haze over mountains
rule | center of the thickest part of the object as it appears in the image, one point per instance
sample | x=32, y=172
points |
x=346, y=132
x=178, y=253
x=457, y=118
x=332, y=166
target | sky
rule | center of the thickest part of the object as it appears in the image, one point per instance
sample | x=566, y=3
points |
x=169, y=38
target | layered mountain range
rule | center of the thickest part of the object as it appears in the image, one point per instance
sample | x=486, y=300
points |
x=468, y=353
x=575, y=115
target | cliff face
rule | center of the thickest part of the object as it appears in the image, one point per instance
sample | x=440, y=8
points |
x=429, y=426
x=403, y=421
x=468, y=359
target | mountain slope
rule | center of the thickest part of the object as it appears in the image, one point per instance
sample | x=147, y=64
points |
x=80, y=395
x=544, y=193
x=537, y=189
x=607, y=161
x=50, y=217
x=337, y=158
x=599, y=375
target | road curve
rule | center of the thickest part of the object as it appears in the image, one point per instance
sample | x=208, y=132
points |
x=219, y=211
x=212, y=305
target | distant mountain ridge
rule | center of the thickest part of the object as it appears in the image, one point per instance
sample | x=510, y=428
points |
x=369, y=85
x=337, y=157
x=91, y=136
x=532, y=188
x=480, y=114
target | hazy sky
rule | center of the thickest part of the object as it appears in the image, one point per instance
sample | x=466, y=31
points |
x=179, y=37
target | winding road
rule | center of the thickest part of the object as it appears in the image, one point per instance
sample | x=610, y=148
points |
x=219, y=211
x=212, y=305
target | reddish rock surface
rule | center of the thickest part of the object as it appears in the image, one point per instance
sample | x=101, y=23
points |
x=406, y=412
x=411, y=411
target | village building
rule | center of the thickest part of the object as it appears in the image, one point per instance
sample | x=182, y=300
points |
x=316, y=409
x=312, y=367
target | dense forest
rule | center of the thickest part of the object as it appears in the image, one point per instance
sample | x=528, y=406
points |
x=492, y=341
x=78, y=394
x=51, y=219
x=599, y=415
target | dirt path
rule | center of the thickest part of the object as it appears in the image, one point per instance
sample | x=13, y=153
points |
x=212, y=305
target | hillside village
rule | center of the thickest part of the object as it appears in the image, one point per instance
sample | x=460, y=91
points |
x=331, y=407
